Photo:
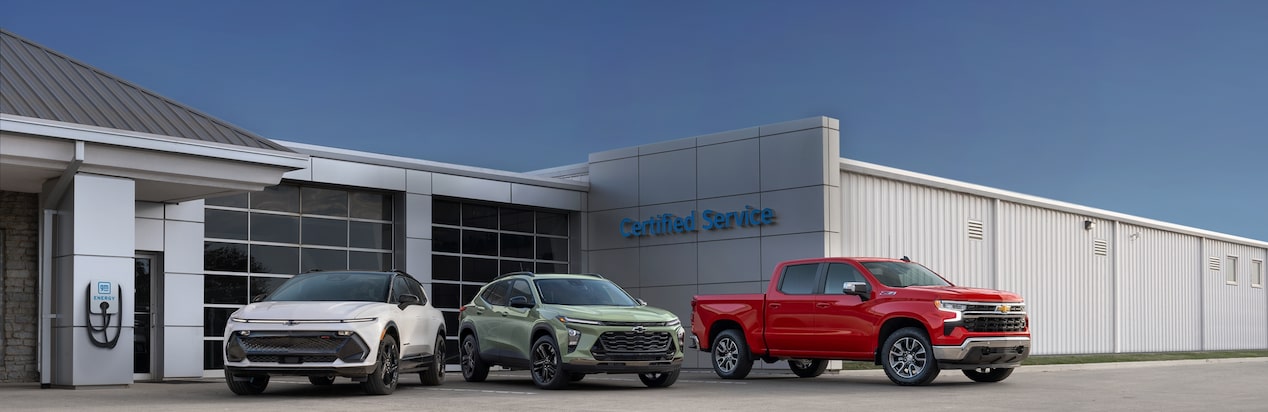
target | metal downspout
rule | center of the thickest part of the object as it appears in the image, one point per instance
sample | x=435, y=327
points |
x=49, y=209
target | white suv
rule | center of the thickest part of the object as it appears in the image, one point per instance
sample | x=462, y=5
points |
x=368, y=326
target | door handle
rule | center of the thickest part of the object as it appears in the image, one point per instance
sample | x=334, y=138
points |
x=774, y=306
x=822, y=305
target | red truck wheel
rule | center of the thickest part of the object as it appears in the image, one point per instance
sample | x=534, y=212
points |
x=807, y=368
x=908, y=358
x=731, y=356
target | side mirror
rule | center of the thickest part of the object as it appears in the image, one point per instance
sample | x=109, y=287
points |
x=520, y=302
x=407, y=299
x=860, y=289
x=642, y=302
x=259, y=298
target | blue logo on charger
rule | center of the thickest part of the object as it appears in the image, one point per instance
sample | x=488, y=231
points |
x=103, y=287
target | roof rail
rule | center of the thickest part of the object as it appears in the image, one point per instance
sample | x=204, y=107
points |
x=530, y=274
x=401, y=272
x=594, y=274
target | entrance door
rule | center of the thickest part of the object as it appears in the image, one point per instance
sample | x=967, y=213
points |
x=145, y=332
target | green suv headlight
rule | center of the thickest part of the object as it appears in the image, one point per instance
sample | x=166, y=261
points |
x=566, y=320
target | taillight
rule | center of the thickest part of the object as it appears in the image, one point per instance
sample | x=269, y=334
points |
x=462, y=308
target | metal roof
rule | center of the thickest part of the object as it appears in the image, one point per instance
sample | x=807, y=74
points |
x=38, y=82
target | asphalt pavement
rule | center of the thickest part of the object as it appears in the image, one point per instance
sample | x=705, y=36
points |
x=1191, y=385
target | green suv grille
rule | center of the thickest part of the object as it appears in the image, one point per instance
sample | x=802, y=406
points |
x=632, y=346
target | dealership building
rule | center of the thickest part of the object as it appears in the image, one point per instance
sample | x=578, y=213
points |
x=186, y=217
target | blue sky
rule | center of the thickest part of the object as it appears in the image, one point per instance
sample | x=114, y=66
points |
x=1153, y=108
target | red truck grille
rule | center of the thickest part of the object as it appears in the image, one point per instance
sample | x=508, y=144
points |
x=995, y=324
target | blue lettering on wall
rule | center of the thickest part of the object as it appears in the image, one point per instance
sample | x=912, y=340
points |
x=669, y=224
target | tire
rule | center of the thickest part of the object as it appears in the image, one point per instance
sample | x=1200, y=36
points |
x=576, y=377
x=387, y=371
x=253, y=386
x=547, y=366
x=473, y=368
x=807, y=368
x=730, y=355
x=908, y=358
x=435, y=374
x=322, y=380
x=659, y=379
x=988, y=374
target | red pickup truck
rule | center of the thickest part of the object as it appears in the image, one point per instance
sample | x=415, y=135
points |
x=892, y=312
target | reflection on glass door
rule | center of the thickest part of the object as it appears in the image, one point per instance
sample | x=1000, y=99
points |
x=144, y=331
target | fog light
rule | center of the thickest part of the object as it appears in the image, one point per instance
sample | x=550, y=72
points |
x=574, y=337
x=244, y=333
x=344, y=333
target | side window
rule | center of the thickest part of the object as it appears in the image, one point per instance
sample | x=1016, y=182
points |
x=399, y=287
x=416, y=289
x=496, y=294
x=799, y=279
x=519, y=287
x=838, y=275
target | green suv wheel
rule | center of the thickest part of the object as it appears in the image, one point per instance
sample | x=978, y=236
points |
x=547, y=372
x=658, y=380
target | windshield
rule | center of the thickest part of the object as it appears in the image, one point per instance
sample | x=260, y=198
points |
x=334, y=286
x=903, y=274
x=584, y=292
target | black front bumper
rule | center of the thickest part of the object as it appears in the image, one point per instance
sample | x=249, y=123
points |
x=623, y=366
x=345, y=371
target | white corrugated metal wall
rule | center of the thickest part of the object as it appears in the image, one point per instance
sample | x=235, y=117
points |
x=1113, y=286
x=1160, y=293
x=1230, y=321
x=888, y=218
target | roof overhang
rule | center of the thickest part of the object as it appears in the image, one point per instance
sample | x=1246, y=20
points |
x=166, y=169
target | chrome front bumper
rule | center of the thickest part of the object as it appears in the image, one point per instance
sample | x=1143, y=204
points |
x=999, y=352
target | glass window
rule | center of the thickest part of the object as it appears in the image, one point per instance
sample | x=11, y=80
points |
x=446, y=268
x=479, y=270
x=476, y=215
x=225, y=257
x=274, y=259
x=329, y=202
x=552, y=248
x=214, y=321
x=225, y=289
x=398, y=288
x=224, y=224
x=517, y=220
x=416, y=289
x=334, y=287
x=517, y=246
x=551, y=268
x=496, y=294
x=261, y=285
x=445, y=212
x=370, y=235
x=508, y=266
x=213, y=354
x=238, y=200
x=1257, y=273
x=838, y=275
x=451, y=325
x=478, y=242
x=274, y=228
x=1230, y=271
x=588, y=292
x=799, y=279
x=552, y=223
x=323, y=259
x=371, y=205
x=325, y=232
x=904, y=274
x=520, y=287
x=281, y=198
x=469, y=292
x=446, y=295
x=445, y=239
x=369, y=261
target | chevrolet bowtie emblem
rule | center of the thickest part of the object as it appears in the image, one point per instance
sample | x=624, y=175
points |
x=1004, y=308
x=640, y=329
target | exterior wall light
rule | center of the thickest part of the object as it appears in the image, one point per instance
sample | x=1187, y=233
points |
x=1089, y=225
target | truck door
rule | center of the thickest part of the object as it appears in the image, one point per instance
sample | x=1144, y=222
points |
x=790, y=309
x=843, y=320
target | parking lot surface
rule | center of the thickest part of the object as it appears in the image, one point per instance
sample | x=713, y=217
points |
x=1201, y=385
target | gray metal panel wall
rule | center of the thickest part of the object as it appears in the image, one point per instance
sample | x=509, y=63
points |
x=1047, y=256
x=889, y=218
x=1160, y=308
x=1234, y=317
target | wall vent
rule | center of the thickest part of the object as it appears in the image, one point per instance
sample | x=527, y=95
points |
x=975, y=230
x=1213, y=263
x=1100, y=247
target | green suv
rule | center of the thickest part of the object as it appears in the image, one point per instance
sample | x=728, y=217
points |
x=562, y=327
